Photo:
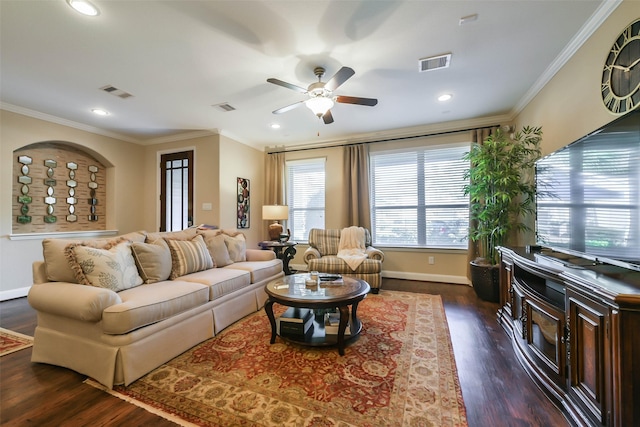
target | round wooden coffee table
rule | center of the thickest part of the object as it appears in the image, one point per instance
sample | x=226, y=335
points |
x=292, y=291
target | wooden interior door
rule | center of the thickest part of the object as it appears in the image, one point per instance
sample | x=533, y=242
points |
x=176, y=191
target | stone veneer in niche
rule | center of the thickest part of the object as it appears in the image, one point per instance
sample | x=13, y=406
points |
x=54, y=196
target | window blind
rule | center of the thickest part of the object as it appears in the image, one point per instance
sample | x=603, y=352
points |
x=417, y=197
x=305, y=196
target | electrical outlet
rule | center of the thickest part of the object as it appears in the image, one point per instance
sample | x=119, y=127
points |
x=432, y=260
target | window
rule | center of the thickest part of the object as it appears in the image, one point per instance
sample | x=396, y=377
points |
x=176, y=191
x=417, y=198
x=305, y=196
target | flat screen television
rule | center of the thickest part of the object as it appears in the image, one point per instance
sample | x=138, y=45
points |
x=588, y=195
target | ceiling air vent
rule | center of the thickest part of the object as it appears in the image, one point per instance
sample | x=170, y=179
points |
x=224, y=107
x=434, y=62
x=116, y=92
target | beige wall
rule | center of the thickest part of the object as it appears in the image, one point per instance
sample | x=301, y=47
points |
x=570, y=105
x=219, y=161
x=241, y=161
x=205, y=179
x=125, y=170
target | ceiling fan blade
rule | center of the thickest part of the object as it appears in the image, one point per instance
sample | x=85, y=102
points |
x=338, y=78
x=287, y=85
x=288, y=107
x=328, y=117
x=370, y=102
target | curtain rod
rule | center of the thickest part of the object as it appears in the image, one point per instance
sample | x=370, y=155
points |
x=399, y=138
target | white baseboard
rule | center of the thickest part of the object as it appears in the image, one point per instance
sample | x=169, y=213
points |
x=14, y=293
x=422, y=277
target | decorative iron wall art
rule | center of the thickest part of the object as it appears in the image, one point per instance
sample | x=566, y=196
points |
x=57, y=188
x=24, y=198
x=49, y=182
x=72, y=184
x=93, y=185
x=244, y=205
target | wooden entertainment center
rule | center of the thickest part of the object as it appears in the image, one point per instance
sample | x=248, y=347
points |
x=575, y=327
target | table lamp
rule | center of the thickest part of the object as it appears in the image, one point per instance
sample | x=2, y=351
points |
x=275, y=213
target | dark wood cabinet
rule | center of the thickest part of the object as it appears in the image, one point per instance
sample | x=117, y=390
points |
x=575, y=327
x=589, y=355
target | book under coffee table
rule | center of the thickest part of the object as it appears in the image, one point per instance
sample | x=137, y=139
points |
x=292, y=291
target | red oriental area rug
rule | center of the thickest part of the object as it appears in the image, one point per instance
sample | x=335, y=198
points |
x=399, y=372
x=13, y=341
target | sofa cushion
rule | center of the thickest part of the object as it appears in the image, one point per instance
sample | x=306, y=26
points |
x=112, y=267
x=153, y=260
x=333, y=264
x=188, y=256
x=259, y=270
x=56, y=263
x=237, y=246
x=217, y=249
x=148, y=304
x=186, y=234
x=221, y=281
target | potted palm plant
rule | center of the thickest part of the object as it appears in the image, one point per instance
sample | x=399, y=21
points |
x=501, y=189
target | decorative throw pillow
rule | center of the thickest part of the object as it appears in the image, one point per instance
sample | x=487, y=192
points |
x=188, y=256
x=186, y=234
x=237, y=247
x=218, y=249
x=56, y=261
x=111, y=267
x=153, y=260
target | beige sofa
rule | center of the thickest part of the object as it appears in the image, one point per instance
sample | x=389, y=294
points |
x=116, y=324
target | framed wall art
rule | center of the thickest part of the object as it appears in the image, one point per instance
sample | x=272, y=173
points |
x=244, y=205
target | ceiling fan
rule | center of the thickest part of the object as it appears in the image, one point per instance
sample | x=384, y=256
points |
x=321, y=97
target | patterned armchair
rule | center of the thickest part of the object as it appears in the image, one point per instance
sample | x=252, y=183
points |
x=322, y=251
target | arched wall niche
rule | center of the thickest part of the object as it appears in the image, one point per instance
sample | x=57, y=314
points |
x=59, y=186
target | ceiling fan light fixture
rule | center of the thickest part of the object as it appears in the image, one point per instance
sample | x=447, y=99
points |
x=319, y=105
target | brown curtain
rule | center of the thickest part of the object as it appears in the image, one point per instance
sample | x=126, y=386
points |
x=274, y=193
x=356, y=185
x=477, y=135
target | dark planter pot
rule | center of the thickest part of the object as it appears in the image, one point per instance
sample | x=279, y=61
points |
x=486, y=281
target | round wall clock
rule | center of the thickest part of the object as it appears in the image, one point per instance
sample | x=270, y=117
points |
x=621, y=72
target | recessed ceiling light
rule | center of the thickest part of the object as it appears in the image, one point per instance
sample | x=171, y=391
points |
x=445, y=97
x=468, y=18
x=275, y=126
x=99, y=111
x=84, y=7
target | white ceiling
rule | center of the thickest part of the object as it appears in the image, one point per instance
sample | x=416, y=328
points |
x=179, y=58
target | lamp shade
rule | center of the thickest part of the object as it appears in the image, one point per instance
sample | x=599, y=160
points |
x=275, y=212
x=319, y=105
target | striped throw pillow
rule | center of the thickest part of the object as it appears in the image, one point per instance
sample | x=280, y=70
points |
x=188, y=256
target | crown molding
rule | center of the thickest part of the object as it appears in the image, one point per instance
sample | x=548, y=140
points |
x=595, y=21
x=64, y=122
x=400, y=133
x=180, y=136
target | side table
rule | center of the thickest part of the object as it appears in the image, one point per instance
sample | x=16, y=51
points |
x=284, y=251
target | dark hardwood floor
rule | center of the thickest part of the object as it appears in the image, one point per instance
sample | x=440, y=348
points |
x=496, y=390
